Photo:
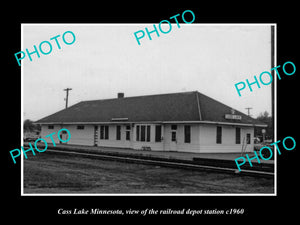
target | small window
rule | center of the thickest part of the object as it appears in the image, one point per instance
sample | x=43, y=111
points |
x=118, y=133
x=219, y=135
x=187, y=134
x=101, y=132
x=248, y=138
x=127, y=135
x=173, y=127
x=50, y=127
x=158, y=133
x=238, y=135
x=173, y=135
x=80, y=127
x=148, y=133
x=104, y=132
x=138, y=133
x=143, y=133
x=128, y=128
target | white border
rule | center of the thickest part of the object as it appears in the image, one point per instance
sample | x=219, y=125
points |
x=158, y=194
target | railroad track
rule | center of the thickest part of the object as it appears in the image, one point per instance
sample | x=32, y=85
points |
x=224, y=167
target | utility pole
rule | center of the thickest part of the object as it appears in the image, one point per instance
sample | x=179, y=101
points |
x=248, y=110
x=67, y=93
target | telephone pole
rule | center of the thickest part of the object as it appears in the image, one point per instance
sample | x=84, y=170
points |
x=248, y=108
x=67, y=95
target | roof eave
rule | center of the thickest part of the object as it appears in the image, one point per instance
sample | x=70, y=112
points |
x=162, y=122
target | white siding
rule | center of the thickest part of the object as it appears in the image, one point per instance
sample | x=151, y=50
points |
x=155, y=146
x=203, y=138
x=46, y=131
x=112, y=139
x=81, y=136
x=208, y=135
x=78, y=137
x=181, y=146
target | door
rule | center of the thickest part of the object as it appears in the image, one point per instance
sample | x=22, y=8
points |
x=173, y=143
x=63, y=136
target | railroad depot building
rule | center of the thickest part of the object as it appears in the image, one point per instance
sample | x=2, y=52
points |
x=184, y=122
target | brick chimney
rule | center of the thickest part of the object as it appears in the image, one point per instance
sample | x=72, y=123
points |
x=120, y=95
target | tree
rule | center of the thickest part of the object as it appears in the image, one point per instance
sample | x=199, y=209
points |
x=265, y=117
x=28, y=126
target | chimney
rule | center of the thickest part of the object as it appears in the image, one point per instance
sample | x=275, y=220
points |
x=120, y=95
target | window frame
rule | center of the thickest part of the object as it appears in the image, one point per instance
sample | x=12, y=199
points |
x=80, y=127
x=237, y=135
x=219, y=135
x=104, y=132
x=158, y=133
x=118, y=132
x=127, y=132
x=143, y=133
x=137, y=132
x=187, y=133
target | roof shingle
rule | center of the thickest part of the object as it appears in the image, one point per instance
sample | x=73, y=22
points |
x=186, y=106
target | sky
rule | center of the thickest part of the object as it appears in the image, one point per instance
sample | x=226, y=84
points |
x=106, y=59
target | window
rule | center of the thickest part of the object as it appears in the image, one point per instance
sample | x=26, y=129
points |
x=143, y=131
x=173, y=127
x=187, y=134
x=104, y=132
x=128, y=133
x=137, y=132
x=101, y=132
x=148, y=133
x=80, y=127
x=248, y=138
x=238, y=135
x=118, y=132
x=219, y=135
x=50, y=127
x=173, y=135
x=158, y=133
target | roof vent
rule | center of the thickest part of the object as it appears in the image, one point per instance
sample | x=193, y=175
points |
x=120, y=95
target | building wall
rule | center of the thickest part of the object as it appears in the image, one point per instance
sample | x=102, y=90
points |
x=181, y=146
x=112, y=141
x=46, y=131
x=203, y=138
x=208, y=134
x=78, y=136
x=155, y=146
x=81, y=136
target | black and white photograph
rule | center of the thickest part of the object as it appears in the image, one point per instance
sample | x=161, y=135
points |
x=149, y=111
x=158, y=116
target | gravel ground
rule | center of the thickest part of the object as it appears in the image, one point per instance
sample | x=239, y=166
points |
x=54, y=173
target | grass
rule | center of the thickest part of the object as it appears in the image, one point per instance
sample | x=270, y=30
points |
x=52, y=173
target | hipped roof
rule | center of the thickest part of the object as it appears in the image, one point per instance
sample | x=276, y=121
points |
x=175, y=107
